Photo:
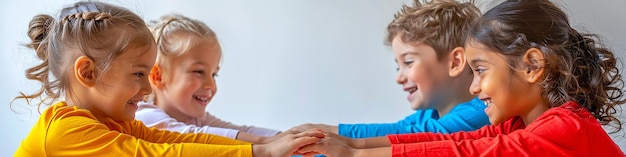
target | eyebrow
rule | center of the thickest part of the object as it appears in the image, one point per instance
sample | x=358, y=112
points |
x=141, y=66
x=477, y=60
x=405, y=53
x=204, y=64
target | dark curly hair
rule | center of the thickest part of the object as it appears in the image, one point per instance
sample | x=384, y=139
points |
x=578, y=67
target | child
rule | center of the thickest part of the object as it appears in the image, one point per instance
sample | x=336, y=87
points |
x=427, y=42
x=548, y=89
x=183, y=79
x=99, y=55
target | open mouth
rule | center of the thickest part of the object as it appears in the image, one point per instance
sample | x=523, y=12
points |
x=132, y=102
x=411, y=90
x=488, y=102
x=201, y=98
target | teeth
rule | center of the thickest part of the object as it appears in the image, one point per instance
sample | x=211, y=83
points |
x=203, y=99
x=131, y=102
x=412, y=90
x=488, y=102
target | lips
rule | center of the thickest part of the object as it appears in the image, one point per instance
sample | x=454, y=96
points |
x=204, y=99
x=411, y=91
x=133, y=103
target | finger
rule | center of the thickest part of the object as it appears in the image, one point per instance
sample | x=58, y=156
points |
x=311, y=133
x=310, y=154
x=303, y=141
x=314, y=148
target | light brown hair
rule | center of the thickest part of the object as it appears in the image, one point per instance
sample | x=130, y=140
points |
x=97, y=30
x=440, y=24
x=169, y=47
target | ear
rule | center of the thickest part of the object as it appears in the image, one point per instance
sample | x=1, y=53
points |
x=85, y=71
x=457, y=63
x=534, y=60
x=156, y=77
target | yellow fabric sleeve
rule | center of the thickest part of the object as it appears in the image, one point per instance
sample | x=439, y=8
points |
x=69, y=131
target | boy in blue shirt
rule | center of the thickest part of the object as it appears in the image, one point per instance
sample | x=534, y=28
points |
x=427, y=41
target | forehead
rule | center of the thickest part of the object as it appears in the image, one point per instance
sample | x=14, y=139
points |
x=143, y=56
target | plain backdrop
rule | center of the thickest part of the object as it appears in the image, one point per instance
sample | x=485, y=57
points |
x=285, y=62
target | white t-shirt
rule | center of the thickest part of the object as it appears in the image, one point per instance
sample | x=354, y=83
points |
x=153, y=116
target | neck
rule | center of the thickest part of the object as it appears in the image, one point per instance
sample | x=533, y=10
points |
x=171, y=110
x=445, y=108
x=534, y=113
x=75, y=101
x=457, y=95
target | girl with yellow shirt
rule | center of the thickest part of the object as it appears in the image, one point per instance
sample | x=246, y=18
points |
x=99, y=56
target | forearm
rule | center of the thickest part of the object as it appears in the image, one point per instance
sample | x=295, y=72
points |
x=251, y=138
x=373, y=152
x=374, y=142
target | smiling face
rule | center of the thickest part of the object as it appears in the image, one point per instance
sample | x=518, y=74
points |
x=505, y=91
x=189, y=81
x=420, y=72
x=116, y=93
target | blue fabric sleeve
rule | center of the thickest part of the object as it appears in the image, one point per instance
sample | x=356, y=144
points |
x=382, y=129
x=466, y=116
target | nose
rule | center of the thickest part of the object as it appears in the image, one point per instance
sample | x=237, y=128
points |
x=145, y=87
x=475, y=86
x=209, y=84
x=401, y=78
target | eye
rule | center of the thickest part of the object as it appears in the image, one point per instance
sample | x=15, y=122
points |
x=479, y=70
x=139, y=74
x=408, y=63
x=201, y=72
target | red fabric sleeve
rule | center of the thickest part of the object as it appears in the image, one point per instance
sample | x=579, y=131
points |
x=486, y=131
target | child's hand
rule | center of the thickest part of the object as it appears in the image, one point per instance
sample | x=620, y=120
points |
x=307, y=126
x=331, y=146
x=288, y=144
x=278, y=136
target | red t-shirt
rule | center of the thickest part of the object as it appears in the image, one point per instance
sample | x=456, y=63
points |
x=568, y=130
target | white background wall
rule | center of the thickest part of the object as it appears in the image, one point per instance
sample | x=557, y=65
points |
x=285, y=62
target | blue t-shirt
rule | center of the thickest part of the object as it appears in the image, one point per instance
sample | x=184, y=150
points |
x=467, y=116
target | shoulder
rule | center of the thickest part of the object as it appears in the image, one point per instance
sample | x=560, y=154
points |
x=63, y=121
x=469, y=110
x=149, y=113
x=61, y=113
x=569, y=117
x=473, y=105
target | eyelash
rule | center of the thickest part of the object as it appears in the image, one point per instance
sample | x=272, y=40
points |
x=202, y=72
x=199, y=71
x=406, y=63
x=139, y=74
x=479, y=70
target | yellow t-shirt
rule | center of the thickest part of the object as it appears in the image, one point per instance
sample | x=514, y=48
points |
x=69, y=131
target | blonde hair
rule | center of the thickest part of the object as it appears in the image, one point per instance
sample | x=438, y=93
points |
x=169, y=25
x=97, y=30
x=440, y=24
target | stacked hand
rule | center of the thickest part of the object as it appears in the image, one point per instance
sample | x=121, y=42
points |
x=308, y=126
x=332, y=145
x=288, y=144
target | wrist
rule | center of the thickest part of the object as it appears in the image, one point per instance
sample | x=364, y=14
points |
x=356, y=152
x=259, y=150
x=356, y=143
